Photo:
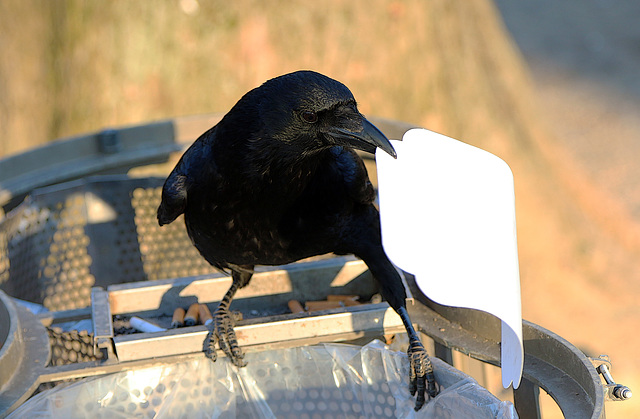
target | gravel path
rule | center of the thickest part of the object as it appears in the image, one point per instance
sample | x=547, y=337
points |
x=584, y=57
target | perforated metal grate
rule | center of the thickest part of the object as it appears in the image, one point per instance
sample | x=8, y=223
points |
x=45, y=255
x=63, y=240
x=163, y=250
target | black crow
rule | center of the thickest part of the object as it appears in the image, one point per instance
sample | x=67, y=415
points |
x=278, y=180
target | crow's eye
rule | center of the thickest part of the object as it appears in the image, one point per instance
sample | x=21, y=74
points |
x=309, y=116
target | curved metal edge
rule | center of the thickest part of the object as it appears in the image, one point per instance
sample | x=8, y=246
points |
x=108, y=151
x=114, y=151
x=12, y=342
x=551, y=362
x=30, y=362
x=549, y=359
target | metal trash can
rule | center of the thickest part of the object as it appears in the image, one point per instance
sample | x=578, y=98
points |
x=88, y=248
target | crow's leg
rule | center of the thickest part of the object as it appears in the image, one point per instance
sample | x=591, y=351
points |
x=392, y=289
x=421, y=370
x=222, y=333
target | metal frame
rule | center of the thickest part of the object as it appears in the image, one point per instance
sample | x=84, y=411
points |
x=551, y=362
x=106, y=152
x=24, y=352
x=112, y=151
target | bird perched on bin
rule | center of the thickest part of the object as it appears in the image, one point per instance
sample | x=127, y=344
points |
x=277, y=180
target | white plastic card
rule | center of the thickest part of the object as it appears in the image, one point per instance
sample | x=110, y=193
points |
x=447, y=212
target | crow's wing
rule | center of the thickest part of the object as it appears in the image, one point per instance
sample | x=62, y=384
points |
x=193, y=167
x=174, y=197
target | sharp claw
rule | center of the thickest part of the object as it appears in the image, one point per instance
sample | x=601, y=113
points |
x=431, y=383
x=210, y=346
x=420, y=398
x=237, y=354
x=239, y=361
x=412, y=378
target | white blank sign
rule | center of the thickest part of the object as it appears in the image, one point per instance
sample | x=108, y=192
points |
x=447, y=212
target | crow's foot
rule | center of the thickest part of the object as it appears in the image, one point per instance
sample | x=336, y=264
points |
x=223, y=335
x=422, y=379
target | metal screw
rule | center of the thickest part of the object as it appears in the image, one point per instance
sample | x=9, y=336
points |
x=109, y=141
x=622, y=392
x=616, y=391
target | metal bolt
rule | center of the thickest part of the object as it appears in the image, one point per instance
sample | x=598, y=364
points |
x=622, y=392
x=606, y=374
x=616, y=391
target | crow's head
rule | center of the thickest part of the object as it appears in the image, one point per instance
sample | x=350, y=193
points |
x=310, y=112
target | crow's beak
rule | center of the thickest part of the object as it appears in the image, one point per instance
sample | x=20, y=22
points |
x=367, y=139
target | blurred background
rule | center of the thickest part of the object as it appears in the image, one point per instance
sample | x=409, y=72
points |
x=550, y=87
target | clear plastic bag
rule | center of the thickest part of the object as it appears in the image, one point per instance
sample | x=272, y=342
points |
x=323, y=381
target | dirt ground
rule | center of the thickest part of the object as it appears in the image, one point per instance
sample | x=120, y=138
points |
x=584, y=59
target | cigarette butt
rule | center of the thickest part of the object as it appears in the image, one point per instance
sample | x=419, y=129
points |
x=178, y=318
x=322, y=305
x=191, y=318
x=336, y=297
x=347, y=300
x=145, y=326
x=295, y=306
x=205, y=314
x=376, y=299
